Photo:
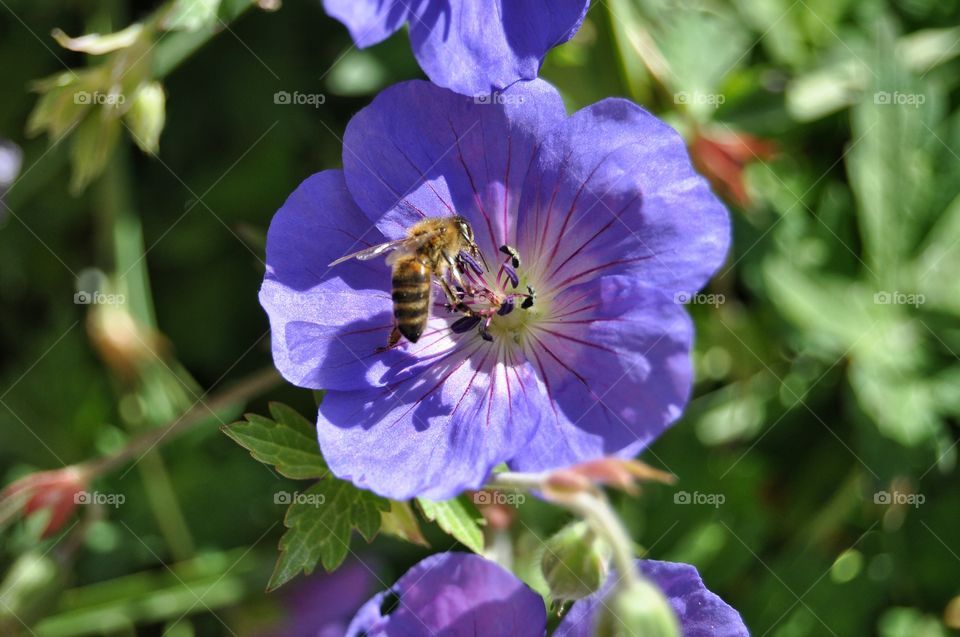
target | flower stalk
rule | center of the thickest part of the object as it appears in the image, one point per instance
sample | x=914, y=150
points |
x=655, y=614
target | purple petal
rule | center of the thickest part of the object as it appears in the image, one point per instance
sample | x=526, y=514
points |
x=478, y=46
x=419, y=150
x=455, y=595
x=701, y=612
x=615, y=360
x=325, y=322
x=438, y=426
x=613, y=190
x=371, y=21
x=471, y=47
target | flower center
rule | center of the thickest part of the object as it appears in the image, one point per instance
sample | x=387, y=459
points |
x=500, y=303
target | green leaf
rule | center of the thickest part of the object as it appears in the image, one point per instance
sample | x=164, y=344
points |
x=458, y=517
x=319, y=523
x=400, y=521
x=288, y=442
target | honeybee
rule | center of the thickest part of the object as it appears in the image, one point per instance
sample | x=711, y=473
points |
x=431, y=249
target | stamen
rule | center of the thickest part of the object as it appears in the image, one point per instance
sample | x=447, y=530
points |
x=512, y=253
x=465, y=324
x=511, y=274
x=528, y=302
x=507, y=307
x=469, y=260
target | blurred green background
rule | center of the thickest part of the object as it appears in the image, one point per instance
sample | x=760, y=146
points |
x=817, y=484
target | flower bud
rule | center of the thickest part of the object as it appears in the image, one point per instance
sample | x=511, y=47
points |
x=147, y=115
x=575, y=562
x=637, y=609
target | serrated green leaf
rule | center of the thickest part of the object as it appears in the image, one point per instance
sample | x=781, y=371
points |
x=458, y=517
x=319, y=524
x=288, y=443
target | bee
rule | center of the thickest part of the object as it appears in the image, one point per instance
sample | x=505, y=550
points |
x=431, y=250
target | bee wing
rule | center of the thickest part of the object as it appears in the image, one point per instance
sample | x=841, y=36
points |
x=373, y=251
x=406, y=244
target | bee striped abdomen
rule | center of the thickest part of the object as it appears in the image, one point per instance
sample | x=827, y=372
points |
x=411, y=296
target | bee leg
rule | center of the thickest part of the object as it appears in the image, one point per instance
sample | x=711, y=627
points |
x=453, y=301
x=392, y=341
x=454, y=271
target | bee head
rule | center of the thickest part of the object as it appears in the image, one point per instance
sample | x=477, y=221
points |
x=466, y=230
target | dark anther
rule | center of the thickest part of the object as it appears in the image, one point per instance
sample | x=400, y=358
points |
x=462, y=307
x=389, y=604
x=528, y=302
x=512, y=253
x=485, y=333
x=512, y=275
x=506, y=308
x=464, y=324
x=469, y=260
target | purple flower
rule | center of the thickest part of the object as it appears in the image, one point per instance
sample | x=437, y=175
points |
x=11, y=158
x=701, y=612
x=470, y=46
x=454, y=595
x=611, y=226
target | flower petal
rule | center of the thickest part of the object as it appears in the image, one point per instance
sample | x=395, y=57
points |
x=309, y=303
x=481, y=46
x=419, y=150
x=370, y=21
x=701, y=612
x=437, y=426
x=613, y=190
x=615, y=361
x=454, y=595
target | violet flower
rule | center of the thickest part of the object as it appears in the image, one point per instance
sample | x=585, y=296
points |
x=473, y=47
x=460, y=594
x=701, y=613
x=454, y=595
x=11, y=159
x=610, y=224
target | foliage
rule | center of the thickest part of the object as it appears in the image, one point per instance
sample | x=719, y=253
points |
x=816, y=463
